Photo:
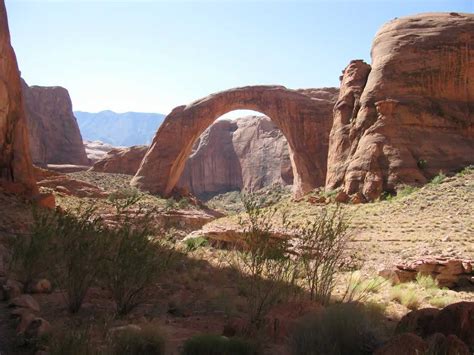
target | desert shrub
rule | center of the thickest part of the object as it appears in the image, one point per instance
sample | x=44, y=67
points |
x=346, y=328
x=438, y=179
x=359, y=288
x=441, y=301
x=264, y=265
x=467, y=170
x=31, y=253
x=71, y=342
x=133, y=261
x=195, y=243
x=171, y=204
x=147, y=340
x=320, y=246
x=406, y=190
x=406, y=295
x=124, y=199
x=184, y=203
x=208, y=344
x=427, y=282
x=78, y=246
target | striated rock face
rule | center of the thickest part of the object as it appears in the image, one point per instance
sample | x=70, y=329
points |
x=247, y=153
x=53, y=131
x=121, y=160
x=412, y=113
x=15, y=159
x=304, y=117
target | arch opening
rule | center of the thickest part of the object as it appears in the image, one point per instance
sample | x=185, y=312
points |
x=303, y=116
x=242, y=150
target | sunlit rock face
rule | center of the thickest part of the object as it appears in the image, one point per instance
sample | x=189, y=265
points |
x=16, y=170
x=52, y=128
x=411, y=114
x=247, y=153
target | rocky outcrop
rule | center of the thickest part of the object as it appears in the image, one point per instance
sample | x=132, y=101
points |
x=15, y=160
x=53, y=131
x=304, y=117
x=248, y=153
x=447, y=272
x=121, y=160
x=412, y=113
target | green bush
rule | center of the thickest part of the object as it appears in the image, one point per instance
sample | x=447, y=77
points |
x=406, y=295
x=346, y=328
x=195, y=243
x=438, y=179
x=145, y=341
x=132, y=262
x=208, y=344
x=320, y=246
x=267, y=272
x=427, y=282
x=31, y=254
x=78, y=247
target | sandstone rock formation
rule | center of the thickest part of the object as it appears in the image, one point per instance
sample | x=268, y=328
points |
x=248, y=153
x=15, y=159
x=121, y=160
x=412, y=113
x=304, y=117
x=53, y=131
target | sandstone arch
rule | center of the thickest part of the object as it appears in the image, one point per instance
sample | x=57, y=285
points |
x=304, y=117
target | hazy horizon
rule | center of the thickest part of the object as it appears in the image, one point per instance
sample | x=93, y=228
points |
x=151, y=56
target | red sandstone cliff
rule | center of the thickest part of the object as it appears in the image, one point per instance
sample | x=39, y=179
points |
x=411, y=114
x=15, y=159
x=53, y=131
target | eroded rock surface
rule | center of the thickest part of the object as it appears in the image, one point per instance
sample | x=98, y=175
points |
x=121, y=160
x=53, y=131
x=304, y=117
x=248, y=153
x=15, y=160
x=411, y=114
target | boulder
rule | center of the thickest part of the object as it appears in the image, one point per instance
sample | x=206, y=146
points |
x=52, y=128
x=449, y=345
x=406, y=344
x=25, y=301
x=410, y=114
x=417, y=321
x=15, y=159
x=12, y=289
x=39, y=286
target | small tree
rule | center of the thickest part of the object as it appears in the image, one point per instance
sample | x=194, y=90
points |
x=320, y=246
x=31, y=253
x=265, y=265
x=133, y=261
x=79, y=245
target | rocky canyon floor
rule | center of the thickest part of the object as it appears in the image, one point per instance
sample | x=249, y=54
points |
x=201, y=294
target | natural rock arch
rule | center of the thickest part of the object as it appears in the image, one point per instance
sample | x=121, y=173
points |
x=304, y=117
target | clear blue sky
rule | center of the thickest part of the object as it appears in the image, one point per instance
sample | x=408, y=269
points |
x=154, y=55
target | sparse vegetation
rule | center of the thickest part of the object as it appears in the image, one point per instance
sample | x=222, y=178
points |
x=406, y=295
x=208, y=344
x=427, y=282
x=31, y=253
x=320, y=246
x=359, y=289
x=438, y=179
x=71, y=342
x=195, y=243
x=267, y=272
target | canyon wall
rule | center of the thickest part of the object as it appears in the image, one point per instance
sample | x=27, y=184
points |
x=411, y=114
x=53, y=131
x=15, y=160
x=247, y=153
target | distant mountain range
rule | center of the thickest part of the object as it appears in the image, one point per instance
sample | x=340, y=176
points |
x=119, y=129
